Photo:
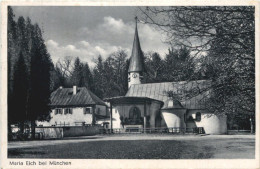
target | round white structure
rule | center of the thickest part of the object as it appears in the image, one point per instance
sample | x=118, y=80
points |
x=173, y=114
x=211, y=123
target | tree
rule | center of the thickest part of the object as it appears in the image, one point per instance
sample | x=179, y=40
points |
x=98, y=73
x=110, y=76
x=77, y=74
x=154, y=68
x=63, y=71
x=117, y=62
x=20, y=96
x=40, y=79
x=11, y=54
x=87, y=77
x=21, y=34
x=225, y=35
x=179, y=65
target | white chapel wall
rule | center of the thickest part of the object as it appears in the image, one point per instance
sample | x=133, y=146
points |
x=174, y=117
x=211, y=123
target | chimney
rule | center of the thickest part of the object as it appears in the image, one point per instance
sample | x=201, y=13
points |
x=74, y=90
x=61, y=87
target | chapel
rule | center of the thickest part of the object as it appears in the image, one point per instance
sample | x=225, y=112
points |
x=147, y=107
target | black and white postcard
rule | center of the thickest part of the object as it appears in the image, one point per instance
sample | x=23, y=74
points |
x=114, y=84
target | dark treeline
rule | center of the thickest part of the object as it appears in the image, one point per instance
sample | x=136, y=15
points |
x=109, y=77
x=29, y=69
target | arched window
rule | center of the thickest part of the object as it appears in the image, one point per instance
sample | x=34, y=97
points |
x=198, y=116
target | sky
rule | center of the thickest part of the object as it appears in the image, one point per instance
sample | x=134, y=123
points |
x=87, y=32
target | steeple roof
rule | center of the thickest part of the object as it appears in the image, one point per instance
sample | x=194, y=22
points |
x=136, y=60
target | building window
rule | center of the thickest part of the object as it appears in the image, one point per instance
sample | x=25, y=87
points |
x=198, y=116
x=87, y=110
x=68, y=111
x=58, y=111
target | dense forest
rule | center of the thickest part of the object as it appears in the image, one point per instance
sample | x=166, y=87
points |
x=109, y=77
x=228, y=62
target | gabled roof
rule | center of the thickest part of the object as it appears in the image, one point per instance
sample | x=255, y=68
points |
x=159, y=91
x=136, y=59
x=63, y=97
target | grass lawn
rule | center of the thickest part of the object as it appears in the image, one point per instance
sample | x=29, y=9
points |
x=142, y=149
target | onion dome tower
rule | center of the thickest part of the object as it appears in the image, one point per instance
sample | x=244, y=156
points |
x=136, y=66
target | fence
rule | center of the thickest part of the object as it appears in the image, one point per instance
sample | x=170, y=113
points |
x=240, y=132
x=54, y=132
x=173, y=130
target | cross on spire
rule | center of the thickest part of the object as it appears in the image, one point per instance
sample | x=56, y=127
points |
x=136, y=19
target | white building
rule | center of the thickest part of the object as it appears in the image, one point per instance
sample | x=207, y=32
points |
x=75, y=107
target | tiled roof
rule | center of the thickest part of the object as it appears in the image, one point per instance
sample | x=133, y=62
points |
x=159, y=91
x=64, y=97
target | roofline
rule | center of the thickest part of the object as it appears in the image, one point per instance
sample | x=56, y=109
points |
x=90, y=93
x=73, y=106
x=168, y=108
x=171, y=82
x=122, y=99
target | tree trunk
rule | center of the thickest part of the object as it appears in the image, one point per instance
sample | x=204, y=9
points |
x=93, y=116
x=33, y=129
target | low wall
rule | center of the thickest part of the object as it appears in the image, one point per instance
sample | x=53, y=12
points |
x=49, y=132
x=72, y=131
